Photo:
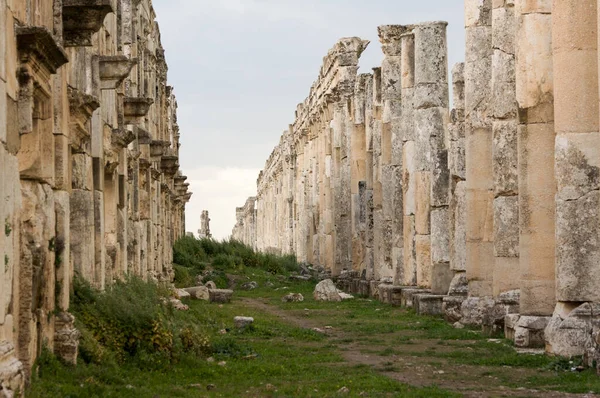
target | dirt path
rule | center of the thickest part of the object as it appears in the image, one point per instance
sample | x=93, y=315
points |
x=471, y=381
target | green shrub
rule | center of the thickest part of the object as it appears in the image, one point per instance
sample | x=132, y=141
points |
x=183, y=276
x=189, y=252
x=228, y=255
x=219, y=277
x=130, y=321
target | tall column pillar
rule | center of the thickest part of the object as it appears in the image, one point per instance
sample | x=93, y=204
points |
x=504, y=150
x=409, y=185
x=359, y=174
x=537, y=186
x=368, y=200
x=478, y=150
x=391, y=151
x=378, y=224
x=577, y=170
x=431, y=118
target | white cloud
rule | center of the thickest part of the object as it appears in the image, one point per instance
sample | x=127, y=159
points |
x=219, y=190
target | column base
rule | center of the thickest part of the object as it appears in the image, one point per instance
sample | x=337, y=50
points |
x=574, y=330
x=407, y=296
x=12, y=377
x=428, y=304
x=526, y=331
x=66, y=338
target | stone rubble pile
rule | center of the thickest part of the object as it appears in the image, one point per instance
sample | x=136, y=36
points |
x=487, y=213
x=89, y=165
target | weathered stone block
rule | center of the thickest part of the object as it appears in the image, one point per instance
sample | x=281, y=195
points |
x=199, y=292
x=423, y=250
x=441, y=277
x=428, y=304
x=241, y=322
x=506, y=226
x=529, y=331
x=423, y=207
x=451, y=308
x=578, y=249
x=407, y=296
x=440, y=236
x=505, y=158
x=458, y=233
x=220, y=295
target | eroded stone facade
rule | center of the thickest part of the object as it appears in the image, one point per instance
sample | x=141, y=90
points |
x=486, y=213
x=89, y=173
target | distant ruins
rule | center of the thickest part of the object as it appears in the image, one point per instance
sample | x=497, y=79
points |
x=487, y=213
x=89, y=172
x=204, y=231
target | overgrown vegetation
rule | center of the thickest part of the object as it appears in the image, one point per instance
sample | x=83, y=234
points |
x=134, y=344
x=212, y=260
x=132, y=322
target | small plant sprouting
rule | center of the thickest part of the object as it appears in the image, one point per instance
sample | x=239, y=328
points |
x=7, y=227
x=6, y=262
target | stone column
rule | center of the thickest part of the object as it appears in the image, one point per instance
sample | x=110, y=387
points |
x=504, y=150
x=378, y=222
x=409, y=170
x=431, y=119
x=391, y=149
x=537, y=186
x=577, y=163
x=359, y=175
x=478, y=147
x=368, y=200
x=457, y=209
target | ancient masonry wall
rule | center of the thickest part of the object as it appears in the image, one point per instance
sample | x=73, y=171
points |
x=488, y=213
x=89, y=174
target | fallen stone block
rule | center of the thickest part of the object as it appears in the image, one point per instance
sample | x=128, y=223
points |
x=529, y=331
x=250, y=285
x=198, y=292
x=428, y=304
x=346, y=296
x=451, y=307
x=292, y=298
x=181, y=293
x=510, y=324
x=326, y=291
x=221, y=296
x=211, y=285
x=241, y=322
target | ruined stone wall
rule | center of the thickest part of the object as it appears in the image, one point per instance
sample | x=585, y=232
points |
x=486, y=213
x=89, y=174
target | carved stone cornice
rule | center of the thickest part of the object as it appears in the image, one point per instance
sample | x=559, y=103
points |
x=81, y=109
x=155, y=174
x=121, y=138
x=40, y=56
x=83, y=18
x=158, y=148
x=144, y=137
x=144, y=164
x=169, y=165
x=114, y=69
x=135, y=107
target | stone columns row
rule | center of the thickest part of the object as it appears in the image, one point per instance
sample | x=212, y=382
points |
x=76, y=162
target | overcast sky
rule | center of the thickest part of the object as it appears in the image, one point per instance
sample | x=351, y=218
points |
x=240, y=67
